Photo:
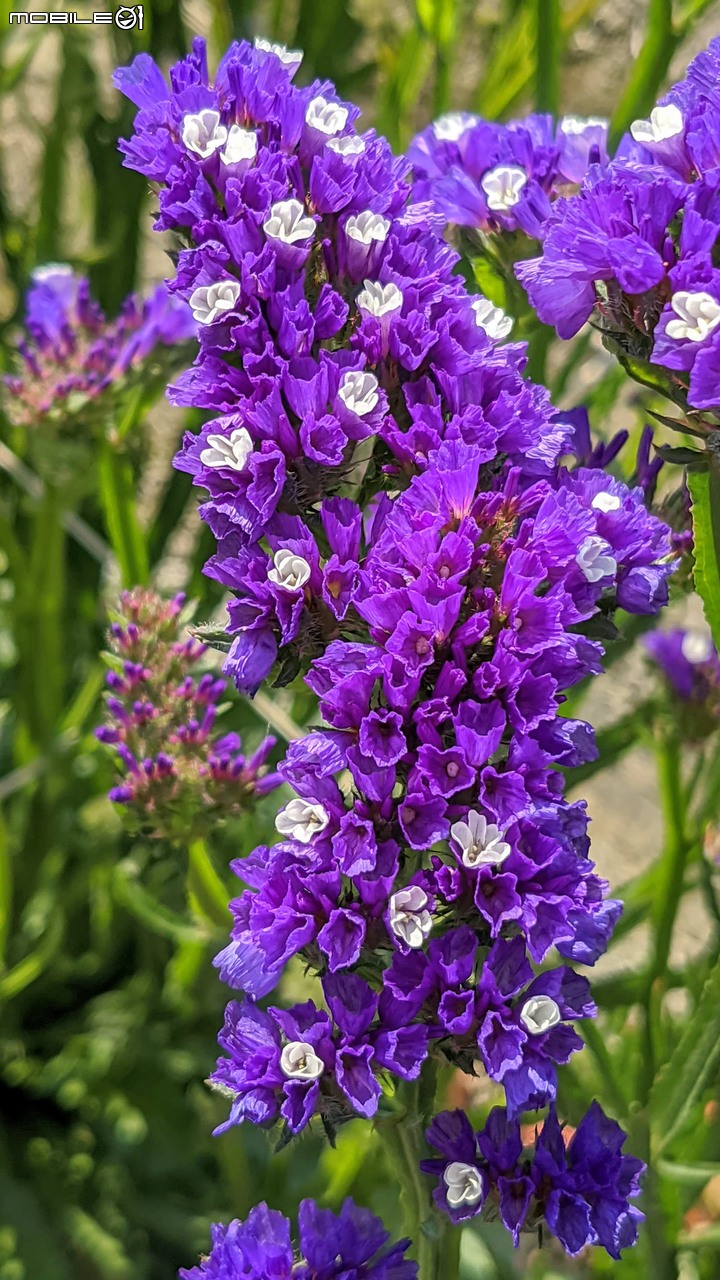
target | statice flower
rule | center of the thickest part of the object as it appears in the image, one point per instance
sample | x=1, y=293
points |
x=71, y=354
x=634, y=248
x=579, y=1184
x=349, y=1245
x=177, y=772
x=400, y=522
x=500, y=178
x=302, y=1061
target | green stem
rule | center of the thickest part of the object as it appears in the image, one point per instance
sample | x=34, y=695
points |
x=435, y=1242
x=207, y=891
x=675, y=851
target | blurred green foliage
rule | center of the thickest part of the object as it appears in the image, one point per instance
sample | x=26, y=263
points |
x=109, y=1006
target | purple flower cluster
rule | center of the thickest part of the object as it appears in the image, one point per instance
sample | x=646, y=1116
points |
x=636, y=244
x=350, y=1245
x=395, y=524
x=499, y=178
x=579, y=1184
x=72, y=354
x=176, y=771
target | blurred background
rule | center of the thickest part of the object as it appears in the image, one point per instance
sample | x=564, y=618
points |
x=109, y=1006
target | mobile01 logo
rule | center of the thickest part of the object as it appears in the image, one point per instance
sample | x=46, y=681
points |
x=126, y=18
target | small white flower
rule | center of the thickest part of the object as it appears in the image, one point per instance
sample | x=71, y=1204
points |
x=379, y=299
x=327, y=117
x=359, y=392
x=299, y=1061
x=289, y=571
x=242, y=144
x=302, y=820
x=409, y=916
x=289, y=223
x=594, y=560
x=665, y=122
x=540, y=1014
x=464, y=1184
x=492, y=319
x=288, y=57
x=367, y=226
x=350, y=145
x=604, y=501
x=481, y=842
x=203, y=133
x=230, y=451
x=450, y=127
x=571, y=125
x=213, y=300
x=698, y=313
x=696, y=647
x=503, y=187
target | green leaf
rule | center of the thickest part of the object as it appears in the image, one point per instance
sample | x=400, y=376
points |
x=704, y=489
x=547, y=62
x=118, y=492
x=693, y=1067
x=688, y=1175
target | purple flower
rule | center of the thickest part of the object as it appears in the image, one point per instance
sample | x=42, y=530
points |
x=72, y=354
x=428, y=858
x=500, y=178
x=689, y=662
x=581, y=1188
x=353, y=1240
x=177, y=773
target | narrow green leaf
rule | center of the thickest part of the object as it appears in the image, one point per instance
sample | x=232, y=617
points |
x=6, y=888
x=547, y=55
x=118, y=492
x=704, y=489
x=688, y=1175
x=693, y=1067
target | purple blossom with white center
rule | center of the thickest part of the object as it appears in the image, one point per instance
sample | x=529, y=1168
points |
x=579, y=1185
x=352, y=1243
x=635, y=246
x=498, y=178
x=302, y=1062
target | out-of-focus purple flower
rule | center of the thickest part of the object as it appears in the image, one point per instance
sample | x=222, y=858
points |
x=71, y=353
x=177, y=772
x=690, y=663
x=352, y=1244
